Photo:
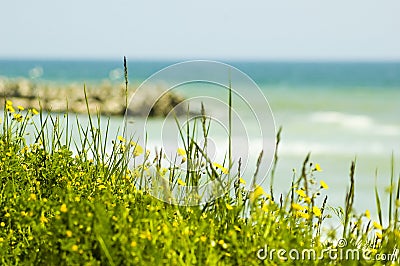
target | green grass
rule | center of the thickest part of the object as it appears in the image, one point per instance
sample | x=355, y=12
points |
x=93, y=207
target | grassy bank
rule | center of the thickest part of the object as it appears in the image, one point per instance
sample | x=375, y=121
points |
x=92, y=207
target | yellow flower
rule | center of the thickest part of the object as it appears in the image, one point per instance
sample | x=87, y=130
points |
x=32, y=196
x=297, y=207
x=9, y=103
x=10, y=108
x=68, y=233
x=20, y=108
x=301, y=193
x=228, y=206
x=242, y=181
x=122, y=148
x=163, y=171
x=223, y=244
x=133, y=244
x=203, y=238
x=2, y=224
x=74, y=248
x=223, y=169
x=63, y=208
x=34, y=111
x=303, y=215
x=237, y=228
x=137, y=149
x=378, y=235
x=377, y=226
x=324, y=185
x=316, y=211
x=180, y=182
x=258, y=191
x=121, y=139
x=318, y=168
x=181, y=152
x=43, y=219
x=18, y=117
x=368, y=214
x=145, y=235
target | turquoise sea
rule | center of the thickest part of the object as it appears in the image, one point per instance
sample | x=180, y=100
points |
x=338, y=111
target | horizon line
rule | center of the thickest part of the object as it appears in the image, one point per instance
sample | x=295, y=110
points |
x=182, y=59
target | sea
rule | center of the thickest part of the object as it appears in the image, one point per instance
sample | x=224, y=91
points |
x=338, y=112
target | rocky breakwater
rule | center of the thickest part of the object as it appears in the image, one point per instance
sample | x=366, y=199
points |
x=105, y=98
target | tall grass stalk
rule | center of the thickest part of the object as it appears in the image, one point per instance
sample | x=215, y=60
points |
x=230, y=125
x=349, y=200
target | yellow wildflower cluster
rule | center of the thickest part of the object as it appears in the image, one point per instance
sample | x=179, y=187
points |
x=303, y=195
x=9, y=106
x=137, y=149
x=18, y=117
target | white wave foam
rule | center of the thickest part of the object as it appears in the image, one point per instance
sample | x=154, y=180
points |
x=355, y=122
x=345, y=120
x=300, y=148
x=388, y=130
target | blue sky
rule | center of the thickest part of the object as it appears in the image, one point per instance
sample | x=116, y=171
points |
x=262, y=30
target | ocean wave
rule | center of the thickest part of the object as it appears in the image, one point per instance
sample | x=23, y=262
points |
x=355, y=123
x=345, y=120
x=300, y=148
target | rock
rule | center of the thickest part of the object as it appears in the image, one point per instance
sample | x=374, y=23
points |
x=2, y=87
x=25, y=89
x=105, y=98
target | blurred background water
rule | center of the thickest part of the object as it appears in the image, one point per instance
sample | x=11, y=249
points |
x=338, y=111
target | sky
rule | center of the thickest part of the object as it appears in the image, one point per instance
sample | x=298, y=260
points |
x=226, y=29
